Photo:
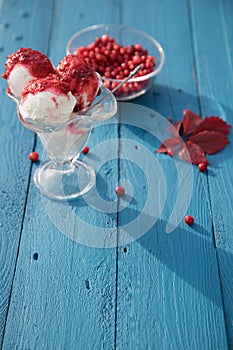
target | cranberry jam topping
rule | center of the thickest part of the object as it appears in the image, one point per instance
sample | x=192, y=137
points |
x=36, y=62
x=50, y=83
x=81, y=78
x=73, y=66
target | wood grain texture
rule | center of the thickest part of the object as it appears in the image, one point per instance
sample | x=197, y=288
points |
x=64, y=292
x=215, y=75
x=169, y=292
x=18, y=22
x=161, y=291
x=65, y=298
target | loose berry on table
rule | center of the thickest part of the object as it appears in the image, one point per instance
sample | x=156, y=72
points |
x=34, y=156
x=120, y=191
x=202, y=166
x=85, y=150
x=189, y=220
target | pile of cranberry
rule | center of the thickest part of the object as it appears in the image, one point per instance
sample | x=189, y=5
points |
x=114, y=62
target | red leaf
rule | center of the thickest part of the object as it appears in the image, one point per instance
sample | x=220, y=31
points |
x=190, y=121
x=207, y=135
x=213, y=124
x=192, y=153
x=210, y=141
x=168, y=144
x=162, y=149
x=175, y=128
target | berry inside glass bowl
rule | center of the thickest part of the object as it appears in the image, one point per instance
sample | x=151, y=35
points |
x=114, y=51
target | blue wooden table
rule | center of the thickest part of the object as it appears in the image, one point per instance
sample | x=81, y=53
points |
x=105, y=274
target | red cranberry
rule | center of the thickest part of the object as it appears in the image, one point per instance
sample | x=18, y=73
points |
x=116, y=47
x=99, y=57
x=85, y=150
x=114, y=85
x=138, y=47
x=107, y=84
x=122, y=50
x=202, y=166
x=120, y=191
x=105, y=38
x=137, y=59
x=92, y=46
x=34, y=156
x=189, y=220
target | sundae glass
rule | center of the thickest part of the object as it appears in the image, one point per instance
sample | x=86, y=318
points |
x=61, y=105
x=64, y=176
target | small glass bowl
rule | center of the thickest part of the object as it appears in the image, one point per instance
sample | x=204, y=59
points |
x=124, y=35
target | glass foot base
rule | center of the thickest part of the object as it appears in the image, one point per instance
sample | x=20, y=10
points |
x=66, y=181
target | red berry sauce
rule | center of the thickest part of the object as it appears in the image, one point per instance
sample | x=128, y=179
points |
x=82, y=79
x=50, y=83
x=37, y=63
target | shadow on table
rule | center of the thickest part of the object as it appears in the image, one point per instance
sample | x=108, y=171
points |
x=190, y=255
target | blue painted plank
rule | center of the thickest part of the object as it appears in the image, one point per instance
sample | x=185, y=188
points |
x=169, y=292
x=17, y=21
x=64, y=292
x=70, y=289
x=83, y=14
x=215, y=75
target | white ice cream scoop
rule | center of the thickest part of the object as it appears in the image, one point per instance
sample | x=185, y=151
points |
x=24, y=65
x=18, y=79
x=47, y=102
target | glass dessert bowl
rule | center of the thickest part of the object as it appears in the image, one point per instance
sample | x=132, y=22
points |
x=145, y=49
x=64, y=176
